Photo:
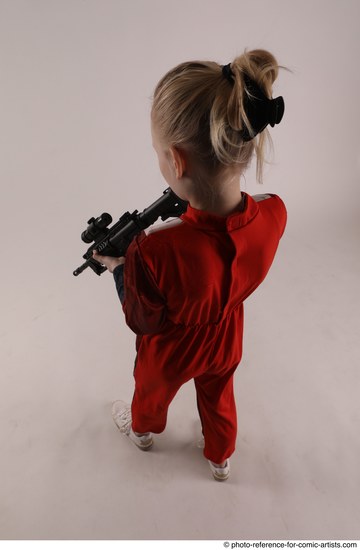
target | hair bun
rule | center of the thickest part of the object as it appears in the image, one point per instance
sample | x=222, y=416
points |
x=263, y=64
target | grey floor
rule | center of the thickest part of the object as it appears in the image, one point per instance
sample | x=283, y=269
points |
x=68, y=473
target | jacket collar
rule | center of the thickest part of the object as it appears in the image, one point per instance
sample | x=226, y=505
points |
x=202, y=219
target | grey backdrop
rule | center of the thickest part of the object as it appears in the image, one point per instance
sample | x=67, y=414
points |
x=76, y=82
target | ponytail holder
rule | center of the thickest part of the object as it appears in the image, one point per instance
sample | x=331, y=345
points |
x=259, y=109
x=227, y=72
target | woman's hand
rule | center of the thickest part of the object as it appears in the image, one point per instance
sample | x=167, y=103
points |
x=108, y=261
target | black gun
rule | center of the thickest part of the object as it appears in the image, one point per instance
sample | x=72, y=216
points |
x=115, y=240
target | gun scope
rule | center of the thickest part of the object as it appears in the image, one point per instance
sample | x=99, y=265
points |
x=96, y=228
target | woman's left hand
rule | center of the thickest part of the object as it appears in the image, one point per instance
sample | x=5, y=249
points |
x=108, y=261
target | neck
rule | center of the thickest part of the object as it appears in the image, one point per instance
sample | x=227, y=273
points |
x=221, y=199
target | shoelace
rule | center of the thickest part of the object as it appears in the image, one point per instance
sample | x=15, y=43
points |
x=125, y=418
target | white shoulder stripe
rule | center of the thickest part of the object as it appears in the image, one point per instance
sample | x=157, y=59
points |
x=258, y=198
x=163, y=225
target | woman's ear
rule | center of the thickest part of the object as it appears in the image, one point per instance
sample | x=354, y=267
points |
x=179, y=161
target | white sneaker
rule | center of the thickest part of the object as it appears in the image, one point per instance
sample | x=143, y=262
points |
x=121, y=413
x=220, y=474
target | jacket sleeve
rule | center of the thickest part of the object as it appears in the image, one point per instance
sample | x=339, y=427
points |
x=118, y=274
x=143, y=303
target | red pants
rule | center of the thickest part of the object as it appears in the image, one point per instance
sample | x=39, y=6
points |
x=216, y=404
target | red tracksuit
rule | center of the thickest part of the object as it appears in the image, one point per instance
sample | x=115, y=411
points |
x=185, y=282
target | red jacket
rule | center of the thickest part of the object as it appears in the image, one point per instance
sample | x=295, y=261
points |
x=185, y=281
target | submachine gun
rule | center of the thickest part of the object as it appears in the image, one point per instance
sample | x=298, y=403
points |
x=115, y=240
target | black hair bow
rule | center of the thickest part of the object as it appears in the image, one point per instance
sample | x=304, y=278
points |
x=259, y=109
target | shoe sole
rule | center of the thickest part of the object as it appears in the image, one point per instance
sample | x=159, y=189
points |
x=144, y=447
x=221, y=478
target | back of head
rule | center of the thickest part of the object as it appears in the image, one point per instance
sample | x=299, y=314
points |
x=200, y=108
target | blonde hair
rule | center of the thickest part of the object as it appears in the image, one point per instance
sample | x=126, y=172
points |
x=197, y=109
